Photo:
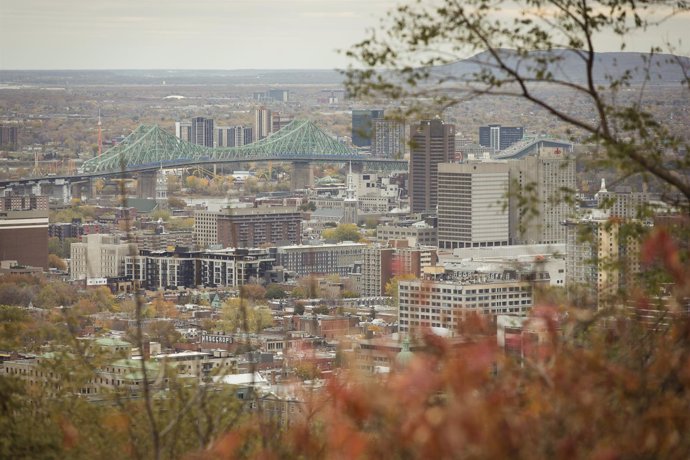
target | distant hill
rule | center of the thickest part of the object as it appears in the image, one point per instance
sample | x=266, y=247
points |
x=663, y=68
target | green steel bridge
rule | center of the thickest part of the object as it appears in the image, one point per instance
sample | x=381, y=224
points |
x=150, y=147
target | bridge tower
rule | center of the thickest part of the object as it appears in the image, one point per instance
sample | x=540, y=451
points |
x=146, y=184
x=302, y=175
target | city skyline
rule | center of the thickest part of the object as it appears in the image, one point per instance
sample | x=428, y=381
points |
x=76, y=34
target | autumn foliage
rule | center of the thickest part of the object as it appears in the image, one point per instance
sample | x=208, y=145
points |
x=603, y=386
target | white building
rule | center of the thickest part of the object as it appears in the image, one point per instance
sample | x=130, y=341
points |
x=429, y=304
x=99, y=256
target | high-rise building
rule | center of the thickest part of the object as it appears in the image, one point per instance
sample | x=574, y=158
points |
x=431, y=142
x=471, y=209
x=498, y=137
x=9, y=137
x=183, y=130
x=232, y=136
x=24, y=230
x=388, y=138
x=263, y=123
x=205, y=228
x=202, y=131
x=279, y=95
x=591, y=262
x=362, y=126
x=221, y=136
x=544, y=181
x=280, y=121
x=530, y=203
x=376, y=269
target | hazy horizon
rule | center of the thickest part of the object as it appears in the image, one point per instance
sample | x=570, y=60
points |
x=213, y=35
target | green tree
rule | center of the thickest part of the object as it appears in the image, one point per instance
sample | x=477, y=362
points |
x=343, y=232
x=176, y=202
x=392, y=286
x=308, y=206
x=163, y=332
x=161, y=214
x=274, y=291
x=253, y=292
x=55, y=294
x=238, y=314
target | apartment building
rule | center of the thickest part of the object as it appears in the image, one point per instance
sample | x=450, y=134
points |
x=327, y=259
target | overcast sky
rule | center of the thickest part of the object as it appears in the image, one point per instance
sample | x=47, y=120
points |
x=202, y=34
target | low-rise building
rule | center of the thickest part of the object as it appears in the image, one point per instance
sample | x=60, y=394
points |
x=444, y=304
x=419, y=233
x=329, y=259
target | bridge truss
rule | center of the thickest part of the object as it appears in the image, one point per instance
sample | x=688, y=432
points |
x=151, y=146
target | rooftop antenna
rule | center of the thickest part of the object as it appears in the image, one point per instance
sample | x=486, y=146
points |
x=100, y=138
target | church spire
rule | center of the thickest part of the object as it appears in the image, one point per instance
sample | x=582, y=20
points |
x=602, y=188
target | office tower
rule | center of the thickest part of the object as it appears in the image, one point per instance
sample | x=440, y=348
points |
x=279, y=95
x=262, y=123
x=279, y=121
x=24, y=230
x=221, y=136
x=362, y=126
x=431, y=142
x=9, y=137
x=202, y=131
x=472, y=205
x=183, y=130
x=388, y=139
x=243, y=135
x=232, y=136
x=541, y=184
x=499, y=137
